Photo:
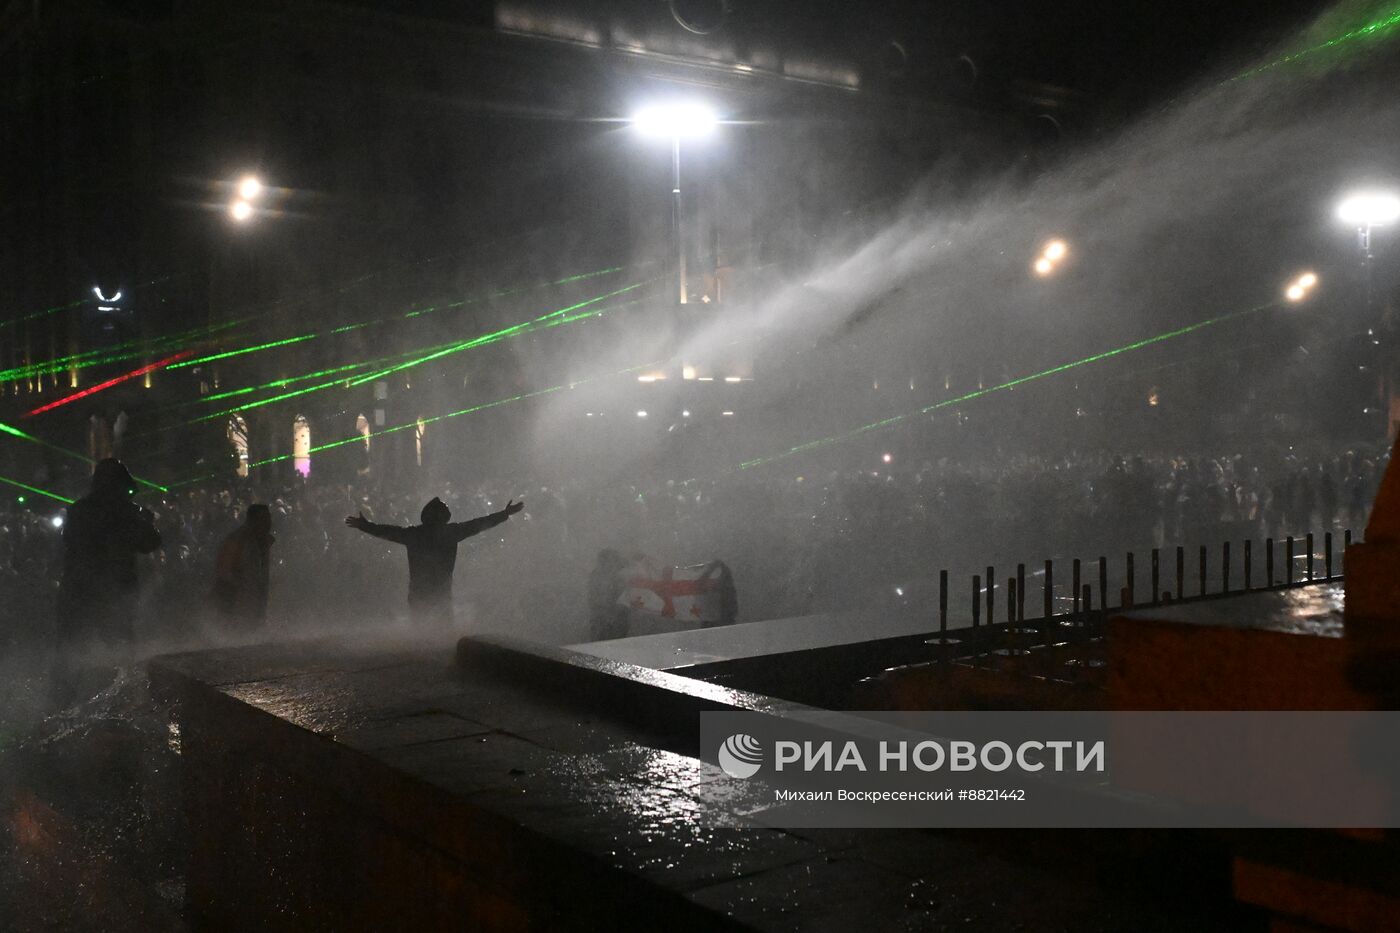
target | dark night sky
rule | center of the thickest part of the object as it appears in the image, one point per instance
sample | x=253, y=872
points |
x=1133, y=52
x=1098, y=45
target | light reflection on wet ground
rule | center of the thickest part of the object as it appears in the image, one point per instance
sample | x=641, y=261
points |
x=90, y=832
x=92, y=837
x=1304, y=610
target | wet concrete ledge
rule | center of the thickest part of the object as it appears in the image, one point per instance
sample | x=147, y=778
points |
x=665, y=705
x=508, y=786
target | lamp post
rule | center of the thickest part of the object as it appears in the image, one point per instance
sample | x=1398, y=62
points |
x=1366, y=210
x=691, y=120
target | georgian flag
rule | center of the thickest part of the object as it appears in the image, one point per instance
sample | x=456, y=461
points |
x=685, y=597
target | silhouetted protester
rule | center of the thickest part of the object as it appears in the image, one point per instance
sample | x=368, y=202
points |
x=432, y=553
x=241, y=574
x=607, y=618
x=102, y=534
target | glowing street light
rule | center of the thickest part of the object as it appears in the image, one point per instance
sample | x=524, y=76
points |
x=1369, y=209
x=687, y=119
x=676, y=120
x=247, y=190
x=1050, y=255
x=1298, y=288
x=1365, y=210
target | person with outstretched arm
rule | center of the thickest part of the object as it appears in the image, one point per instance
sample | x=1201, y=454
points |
x=432, y=553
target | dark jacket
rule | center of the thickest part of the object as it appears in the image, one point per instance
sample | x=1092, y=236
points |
x=242, y=576
x=432, y=554
x=102, y=535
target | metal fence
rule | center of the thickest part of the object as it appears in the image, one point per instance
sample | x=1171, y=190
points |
x=1170, y=578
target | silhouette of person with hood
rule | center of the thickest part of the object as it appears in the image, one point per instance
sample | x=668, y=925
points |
x=242, y=571
x=432, y=553
x=97, y=595
x=606, y=618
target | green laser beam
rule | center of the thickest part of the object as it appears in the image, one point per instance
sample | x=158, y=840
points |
x=290, y=341
x=37, y=314
x=1375, y=28
x=434, y=419
x=108, y=355
x=275, y=398
x=541, y=323
x=24, y=435
x=1107, y=354
x=276, y=383
x=42, y=492
x=513, y=330
x=461, y=411
x=81, y=301
x=514, y=291
x=346, y=328
x=286, y=341
x=279, y=383
x=267, y=401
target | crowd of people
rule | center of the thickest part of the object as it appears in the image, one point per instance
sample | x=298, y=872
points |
x=797, y=544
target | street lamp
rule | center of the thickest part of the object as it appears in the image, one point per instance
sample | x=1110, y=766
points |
x=1050, y=256
x=1298, y=288
x=676, y=120
x=1367, y=209
x=248, y=190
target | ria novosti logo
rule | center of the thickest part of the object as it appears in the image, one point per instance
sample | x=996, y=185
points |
x=741, y=756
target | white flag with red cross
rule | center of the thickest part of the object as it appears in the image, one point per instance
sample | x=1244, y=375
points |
x=675, y=597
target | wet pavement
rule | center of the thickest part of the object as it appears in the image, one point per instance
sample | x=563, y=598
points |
x=91, y=829
x=546, y=813
x=1318, y=610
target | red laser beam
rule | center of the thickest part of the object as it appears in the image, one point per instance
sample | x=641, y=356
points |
x=92, y=390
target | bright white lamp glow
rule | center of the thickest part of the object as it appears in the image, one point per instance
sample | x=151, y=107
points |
x=240, y=210
x=1044, y=266
x=249, y=188
x=1369, y=209
x=1055, y=250
x=1298, y=288
x=680, y=119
